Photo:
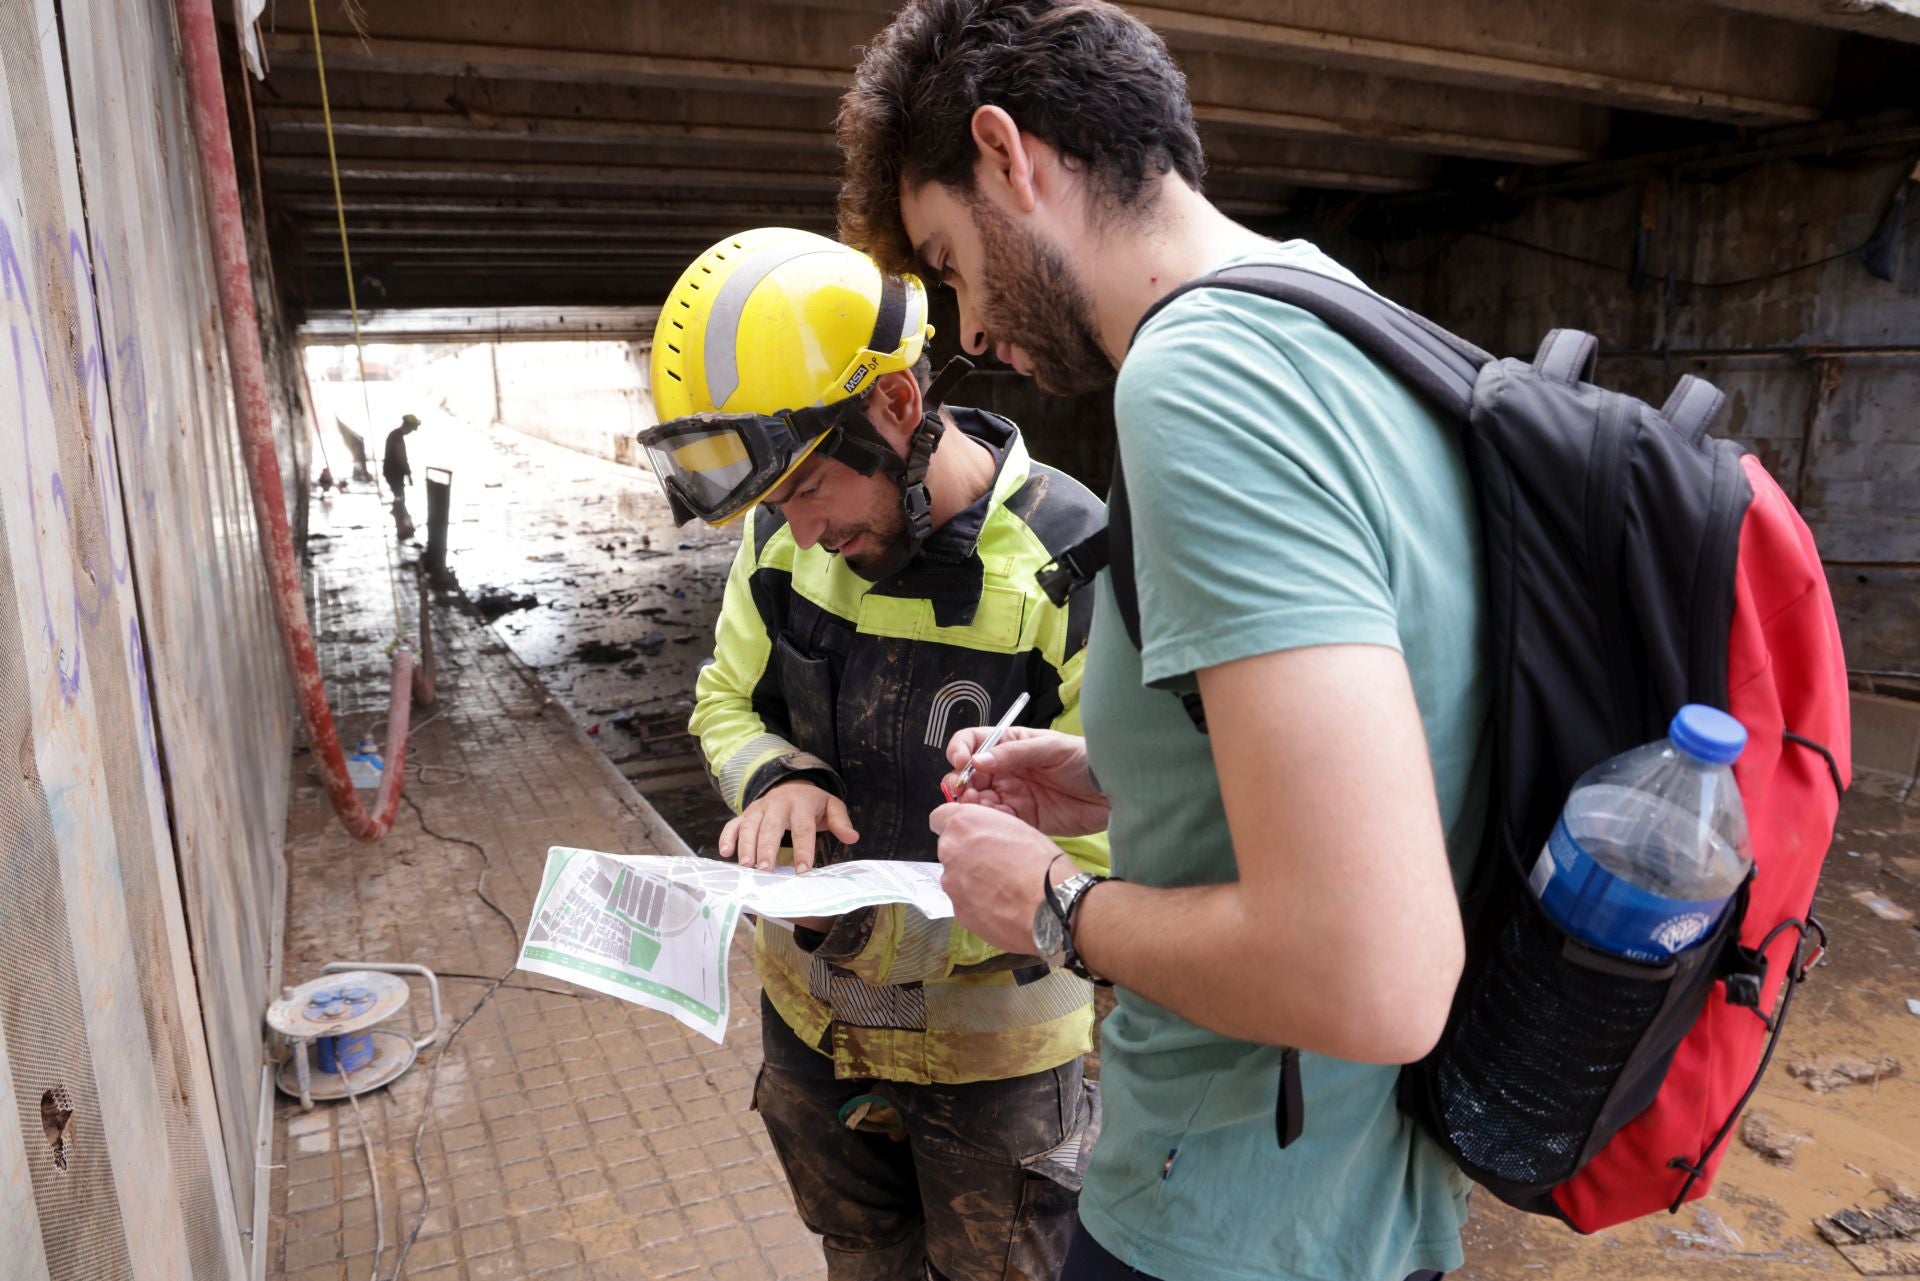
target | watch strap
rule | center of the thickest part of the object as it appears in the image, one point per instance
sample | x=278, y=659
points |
x=1082, y=883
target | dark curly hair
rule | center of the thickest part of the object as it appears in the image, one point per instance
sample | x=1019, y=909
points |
x=1086, y=77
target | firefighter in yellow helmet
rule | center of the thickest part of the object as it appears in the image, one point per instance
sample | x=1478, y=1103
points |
x=922, y=1088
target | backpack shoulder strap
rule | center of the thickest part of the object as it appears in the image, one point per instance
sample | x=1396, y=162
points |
x=1126, y=589
x=1439, y=365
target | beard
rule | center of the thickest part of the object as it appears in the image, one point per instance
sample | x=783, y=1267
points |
x=888, y=546
x=1030, y=297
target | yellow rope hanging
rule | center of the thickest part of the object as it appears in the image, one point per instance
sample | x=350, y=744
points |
x=353, y=303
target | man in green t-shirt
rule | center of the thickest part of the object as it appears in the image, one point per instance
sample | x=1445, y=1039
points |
x=1307, y=558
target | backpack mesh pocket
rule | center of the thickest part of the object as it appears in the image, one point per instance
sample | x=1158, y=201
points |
x=1540, y=1039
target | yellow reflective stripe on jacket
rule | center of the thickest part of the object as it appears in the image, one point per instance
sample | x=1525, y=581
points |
x=733, y=737
x=980, y=1027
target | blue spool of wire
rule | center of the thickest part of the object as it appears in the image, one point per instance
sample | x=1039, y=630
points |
x=338, y=1055
x=349, y=1051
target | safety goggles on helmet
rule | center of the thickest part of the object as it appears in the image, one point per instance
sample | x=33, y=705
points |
x=713, y=467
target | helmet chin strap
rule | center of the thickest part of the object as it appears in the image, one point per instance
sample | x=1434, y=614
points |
x=862, y=448
x=916, y=500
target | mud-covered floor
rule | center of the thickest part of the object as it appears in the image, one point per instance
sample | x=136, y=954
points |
x=622, y=617
x=586, y=578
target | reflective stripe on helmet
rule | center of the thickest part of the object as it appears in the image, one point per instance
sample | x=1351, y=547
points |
x=723, y=321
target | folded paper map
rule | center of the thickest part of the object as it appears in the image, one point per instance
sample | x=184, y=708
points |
x=655, y=930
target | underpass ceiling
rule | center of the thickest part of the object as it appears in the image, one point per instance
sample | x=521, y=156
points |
x=494, y=153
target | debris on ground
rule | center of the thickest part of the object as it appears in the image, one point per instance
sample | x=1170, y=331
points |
x=1770, y=1139
x=1913, y=1006
x=1884, y=908
x=651, y=643
x=493, y=604
x=1826, y=1073
x=1710, y=1232
x=1879, y=1242
x=1895, y=1186
x=599, y=651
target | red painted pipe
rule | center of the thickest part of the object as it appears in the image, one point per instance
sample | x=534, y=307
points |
x=200, y=47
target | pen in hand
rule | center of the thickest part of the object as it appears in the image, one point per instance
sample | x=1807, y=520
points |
x=966, y=775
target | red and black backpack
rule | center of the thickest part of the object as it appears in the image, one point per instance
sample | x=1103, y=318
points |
x=1634, y=564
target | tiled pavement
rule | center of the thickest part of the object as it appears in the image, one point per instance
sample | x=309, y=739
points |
x=570, y=1134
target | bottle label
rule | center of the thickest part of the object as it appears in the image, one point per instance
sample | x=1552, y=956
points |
x=1614, y=915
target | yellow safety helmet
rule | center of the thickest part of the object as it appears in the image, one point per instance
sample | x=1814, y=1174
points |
x=762, y=337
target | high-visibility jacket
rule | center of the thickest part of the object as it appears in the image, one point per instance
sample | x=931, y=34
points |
x=857, y=687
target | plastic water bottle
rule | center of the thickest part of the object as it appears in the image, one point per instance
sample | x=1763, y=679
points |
x=364, y=767
x=1652, y=844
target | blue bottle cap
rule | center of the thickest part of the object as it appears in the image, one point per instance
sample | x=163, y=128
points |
x=1707, y=734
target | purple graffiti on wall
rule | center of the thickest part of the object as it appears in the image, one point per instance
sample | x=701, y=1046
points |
x=95, y=371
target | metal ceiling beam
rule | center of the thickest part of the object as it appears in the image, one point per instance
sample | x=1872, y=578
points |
x=1886, y=19
x=1550, y=72
x=1305, y=162
x=393, y=229
x=1682, y=59
x=511, y=173
x=483, y=100
x=1415, y=137
x=586, y=211
x=1236, y=92
x=305, y=122
x=384, y=55
x=591, y=211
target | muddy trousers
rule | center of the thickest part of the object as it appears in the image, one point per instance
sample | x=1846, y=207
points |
x=975, y=1188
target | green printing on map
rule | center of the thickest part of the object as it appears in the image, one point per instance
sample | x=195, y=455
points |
x=642, y=950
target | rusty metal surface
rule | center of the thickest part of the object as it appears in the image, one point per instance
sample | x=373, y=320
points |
x=1816, y=354
x=151, y=692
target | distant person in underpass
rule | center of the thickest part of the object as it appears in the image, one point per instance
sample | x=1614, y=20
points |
x=399, y=474
x=922, y=1088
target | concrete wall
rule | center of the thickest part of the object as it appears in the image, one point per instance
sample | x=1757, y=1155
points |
x=1820, y=359
x=143, y=702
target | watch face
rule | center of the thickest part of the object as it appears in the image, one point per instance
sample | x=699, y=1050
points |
x=1049, y=940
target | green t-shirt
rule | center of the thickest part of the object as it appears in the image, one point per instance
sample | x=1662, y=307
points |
x=1286, y=492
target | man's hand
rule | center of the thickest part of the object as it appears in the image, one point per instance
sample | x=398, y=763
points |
x=797, y=807
x=995, y=864
x=1039, y=776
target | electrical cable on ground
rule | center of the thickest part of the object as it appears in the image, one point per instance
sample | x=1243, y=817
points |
x=512, y=987
x=373, y=1173
x=446, y=1046
x=486, y=861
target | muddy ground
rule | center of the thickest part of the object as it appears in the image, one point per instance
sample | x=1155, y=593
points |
x=584, y=576
x=621, y=617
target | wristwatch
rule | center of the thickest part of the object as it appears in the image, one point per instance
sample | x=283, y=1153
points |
x=1053, y=925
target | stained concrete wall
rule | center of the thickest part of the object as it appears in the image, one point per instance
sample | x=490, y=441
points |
x=143, y=701
x=1819, y=357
